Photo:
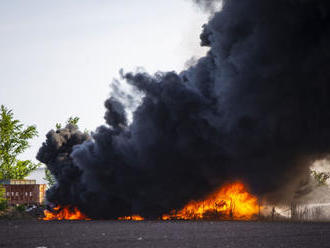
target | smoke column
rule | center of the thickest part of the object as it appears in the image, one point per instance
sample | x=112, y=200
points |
x=255, y=109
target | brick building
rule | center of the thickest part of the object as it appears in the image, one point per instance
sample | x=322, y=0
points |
x=24, y=191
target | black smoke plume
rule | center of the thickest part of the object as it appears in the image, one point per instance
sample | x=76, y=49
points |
x=256, y=108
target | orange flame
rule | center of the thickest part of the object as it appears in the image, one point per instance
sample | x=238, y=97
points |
x=231, y=201
x=65, y=213
x=133, y=217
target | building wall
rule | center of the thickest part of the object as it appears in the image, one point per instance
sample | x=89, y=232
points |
x=25, y=193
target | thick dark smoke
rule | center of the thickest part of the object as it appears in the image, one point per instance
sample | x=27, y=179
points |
x=55, y=153
x=256, y=108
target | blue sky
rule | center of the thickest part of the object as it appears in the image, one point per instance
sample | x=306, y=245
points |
x=58, y=58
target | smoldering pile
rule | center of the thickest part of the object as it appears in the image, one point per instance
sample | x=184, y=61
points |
x=255, y=109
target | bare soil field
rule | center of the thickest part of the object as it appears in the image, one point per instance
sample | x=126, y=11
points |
x=41, y=234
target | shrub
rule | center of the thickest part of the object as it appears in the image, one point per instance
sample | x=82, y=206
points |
x=20, y=208
x=3, y=201
x=3, y=205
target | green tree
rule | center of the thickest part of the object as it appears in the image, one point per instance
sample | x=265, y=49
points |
x=3, y=201
x=320, y=177
x=14, y=141
x=49, y=178
x=73, y=121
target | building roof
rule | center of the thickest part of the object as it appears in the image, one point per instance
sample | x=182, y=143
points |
x=17, y=181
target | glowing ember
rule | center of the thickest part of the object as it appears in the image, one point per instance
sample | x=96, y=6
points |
x=231, y=201
x=64, y=213
x=133, y=217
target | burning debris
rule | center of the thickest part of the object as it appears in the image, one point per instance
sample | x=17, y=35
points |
x=64, y=213
x=231, y=201
x=133, y=217
x=254, y=109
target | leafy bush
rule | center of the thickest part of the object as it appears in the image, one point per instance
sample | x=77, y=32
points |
x=3, y=205
x=20, y=208
x=3, y=201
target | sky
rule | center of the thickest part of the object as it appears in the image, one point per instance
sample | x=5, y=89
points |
x=58, y=58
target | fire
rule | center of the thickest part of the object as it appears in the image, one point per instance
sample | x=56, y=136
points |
x=133, y=217
x=231, y=201
x=65, y=213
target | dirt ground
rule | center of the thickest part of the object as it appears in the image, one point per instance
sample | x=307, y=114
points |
x=48, y=234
